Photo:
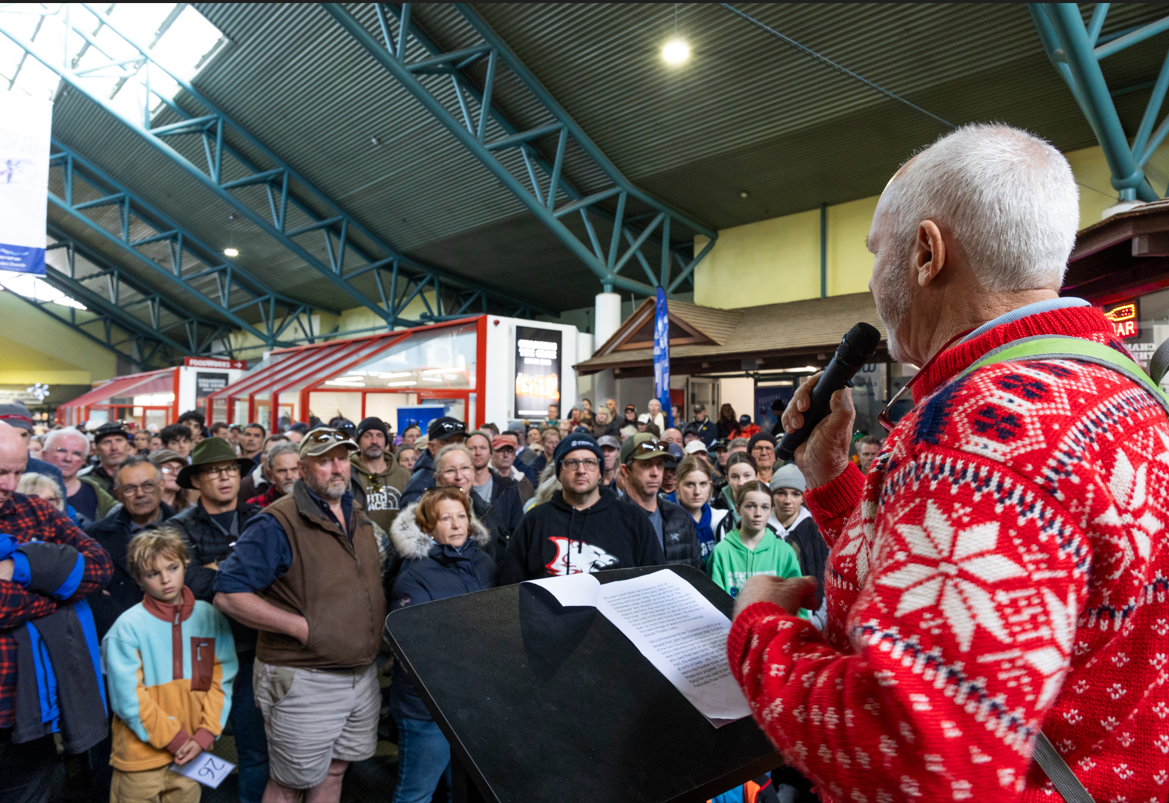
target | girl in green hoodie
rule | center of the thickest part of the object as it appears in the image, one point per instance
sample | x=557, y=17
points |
x=753, y=548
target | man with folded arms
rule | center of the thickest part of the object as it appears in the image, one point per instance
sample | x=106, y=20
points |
x=306, y=574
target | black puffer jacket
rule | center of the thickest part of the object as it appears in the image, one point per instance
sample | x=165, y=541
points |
x=206, y=543
x=421, y=481
x=556, y=539
x=501, y=517
x=680, y=536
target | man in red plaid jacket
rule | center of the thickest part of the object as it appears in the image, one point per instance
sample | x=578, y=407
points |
x=1002, y=569
x=25, y=768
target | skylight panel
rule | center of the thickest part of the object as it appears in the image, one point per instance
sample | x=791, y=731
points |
x=106, y=57
x=36, y=288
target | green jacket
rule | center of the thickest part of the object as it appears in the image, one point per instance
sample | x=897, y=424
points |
x=731, y=563
x=105, y=500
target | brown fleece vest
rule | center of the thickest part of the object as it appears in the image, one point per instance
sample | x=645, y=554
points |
x=335, y=585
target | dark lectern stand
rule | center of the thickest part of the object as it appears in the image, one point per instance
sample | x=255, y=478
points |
x=543, y=703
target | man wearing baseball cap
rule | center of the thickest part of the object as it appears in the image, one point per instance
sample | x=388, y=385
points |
x=306, y=574
x=643, y=467
x=611, y=446
x=376, y=479
x=583, y=528
x=503, y=455
x=702, y=426
x=439, y=433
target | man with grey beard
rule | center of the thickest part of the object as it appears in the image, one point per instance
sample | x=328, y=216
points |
x=306, y=574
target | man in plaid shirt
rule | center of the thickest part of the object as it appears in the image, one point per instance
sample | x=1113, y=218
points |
x=25, y=768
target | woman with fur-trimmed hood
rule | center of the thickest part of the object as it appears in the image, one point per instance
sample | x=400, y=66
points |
x=445, y=553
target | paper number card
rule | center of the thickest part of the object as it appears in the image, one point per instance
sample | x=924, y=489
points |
x=207, y=769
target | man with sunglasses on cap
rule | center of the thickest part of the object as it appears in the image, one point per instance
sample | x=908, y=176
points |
x=643, y=467
x=376, y=479
x=440, y=432
x=583, y=528
x=306, y=574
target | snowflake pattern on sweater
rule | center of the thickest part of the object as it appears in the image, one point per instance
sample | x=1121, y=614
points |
x=999, y=570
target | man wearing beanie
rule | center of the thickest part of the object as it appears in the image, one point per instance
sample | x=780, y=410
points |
x=376, y=479
x=584, y=527
x=793, y=523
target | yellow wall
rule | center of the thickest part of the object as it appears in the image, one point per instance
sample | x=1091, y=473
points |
x=36, y=348
x=778, y=260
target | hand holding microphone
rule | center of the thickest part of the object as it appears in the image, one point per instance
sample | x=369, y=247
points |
x=819, y=421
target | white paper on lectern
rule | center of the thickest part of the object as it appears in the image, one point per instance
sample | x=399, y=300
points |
x=676, y=628
x=572, y=589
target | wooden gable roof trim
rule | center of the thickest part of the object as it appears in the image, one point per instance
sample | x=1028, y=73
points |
x=796, y=327
x=683, y=314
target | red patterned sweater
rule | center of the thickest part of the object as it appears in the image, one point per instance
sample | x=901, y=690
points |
x=1001, y=568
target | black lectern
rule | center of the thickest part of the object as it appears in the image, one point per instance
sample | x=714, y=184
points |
x=542, y=703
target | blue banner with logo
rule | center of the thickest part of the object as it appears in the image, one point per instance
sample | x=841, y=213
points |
x=25, y=127
x=662, y=357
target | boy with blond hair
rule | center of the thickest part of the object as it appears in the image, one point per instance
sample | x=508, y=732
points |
x=171, y=662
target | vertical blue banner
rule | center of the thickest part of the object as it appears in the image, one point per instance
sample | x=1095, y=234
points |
x=662, y=357
x=25, y=127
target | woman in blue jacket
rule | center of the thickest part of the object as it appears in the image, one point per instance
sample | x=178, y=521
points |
x=445, y=552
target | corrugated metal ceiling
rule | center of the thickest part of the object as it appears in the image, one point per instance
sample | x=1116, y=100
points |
x=747, y=114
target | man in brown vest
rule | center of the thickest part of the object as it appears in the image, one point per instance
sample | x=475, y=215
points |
x=305, y=574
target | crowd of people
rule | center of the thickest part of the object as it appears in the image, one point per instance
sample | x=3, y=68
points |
x=273, y=559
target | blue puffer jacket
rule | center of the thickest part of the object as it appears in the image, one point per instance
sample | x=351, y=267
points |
x=432, y=571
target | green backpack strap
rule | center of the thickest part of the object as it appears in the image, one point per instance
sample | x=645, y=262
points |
x=1060, y=347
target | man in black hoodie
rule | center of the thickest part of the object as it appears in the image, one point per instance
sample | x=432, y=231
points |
x=584, y=528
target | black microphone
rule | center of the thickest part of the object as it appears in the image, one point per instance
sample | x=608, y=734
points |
x=856, y=349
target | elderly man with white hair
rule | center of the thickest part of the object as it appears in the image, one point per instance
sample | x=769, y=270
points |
x=996, y=586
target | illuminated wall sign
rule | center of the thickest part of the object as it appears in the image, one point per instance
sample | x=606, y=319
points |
x=1124, y=319
x=537, y=371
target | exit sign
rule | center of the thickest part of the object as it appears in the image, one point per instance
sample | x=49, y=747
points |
x=1124, y=319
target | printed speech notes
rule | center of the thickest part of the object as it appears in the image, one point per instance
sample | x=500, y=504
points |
x=676, y=628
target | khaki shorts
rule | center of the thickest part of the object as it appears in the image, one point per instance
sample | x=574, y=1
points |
x=148, y=786
x=313, y=716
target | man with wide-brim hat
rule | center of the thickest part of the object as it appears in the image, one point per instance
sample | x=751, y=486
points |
x=211, y=527
x=306, y=574
x=212, y=452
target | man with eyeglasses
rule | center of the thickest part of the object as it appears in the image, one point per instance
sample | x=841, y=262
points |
x=455, y=465
x=440, y=432
x=503, y=457
x=138, y=485
x=643, y=467
x=68, y=449
x=762, y=448
x=306, y=574
x=585, y=527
